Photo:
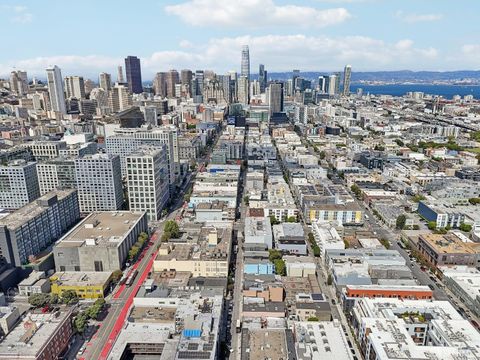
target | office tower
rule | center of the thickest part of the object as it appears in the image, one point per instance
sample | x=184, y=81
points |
x=295, y=75
x=243, y=90
x=105, y=81
x=262, y=77
x=347, y=73
x=245, y=66
x=34, y=227
x=172, y=80
x=289, y=87
x=18, y=184
x=75, y=87
x=147, y=181
x=89, y=86
x=99, y=182
x=134, y=74
x=186, y=79
x=200, y=79
x=332, y=82
x=119, y=98
x=120, y=79
x=160, y=84
x=129, y=140
x=275, y=98
x=337, y=82
x=55, y=90
x=322, y=84
x=19, y=82
x=255, y=88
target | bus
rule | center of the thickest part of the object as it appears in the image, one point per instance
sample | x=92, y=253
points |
x=131, y=277
x=238, y=327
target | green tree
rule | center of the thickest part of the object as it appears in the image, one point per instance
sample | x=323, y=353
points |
x=117, y=275
x=418, y=198
x=416, y=227
x=316, y=250
x=80, y=322
x=246, y=200
x=474, y=201
x=465, y=227
x=280, y=268
x=432, y=225
x=274, y=254
x=273, y=220
x=292, y=219
x=165, y=237
x=133, y=252
x=171, y=227
x=330, y=279
x=356, y=190
x=385, y=243
x=312, y=318
x=39, y=300
x=401, y=219
x=69, y=297
x=322, y=155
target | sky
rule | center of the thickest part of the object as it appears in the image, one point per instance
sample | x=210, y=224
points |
x=91, y=36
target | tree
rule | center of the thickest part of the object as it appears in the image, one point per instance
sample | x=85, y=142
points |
x=93, y=311
x=274, y=254
x=246, y=200
x=117, y=275
x=133, y=252
x=171, y=227
x=280, y=268
x=292, y=219
x=465, y=227
x=356, y=190
x=416, y=227
x=273, y=220
x=330, y=279
x=312, y=318
x=69, y=297
x=322, y=155
x=385, y=243
x=432, y=225
x=474, y=201
x=316, y=250
x=418, y=198
x=165, y=237
x=39, y=300
x=80, y=322
x=401, y=219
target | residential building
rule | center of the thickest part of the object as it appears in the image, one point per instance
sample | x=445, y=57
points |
x=258, y=231
x=119, y=98
x=275, y=98
x=18, y=184
x=326, y=236
x=100, y=242
x=37, y=225
x=464, y=283
x=448, y=249
x=39, y=336
x=347, y=74
x=35, y=283
x=290, y=238
x=148, y=181
x=299, y=266
x=44, y=150
x=9, y=316
x=56, y=173
x=75, y=87
x=99, y=182
x=105, y=81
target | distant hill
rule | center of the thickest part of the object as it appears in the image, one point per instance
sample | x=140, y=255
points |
x=392, y=76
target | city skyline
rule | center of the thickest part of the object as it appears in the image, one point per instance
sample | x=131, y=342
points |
x=321, y=35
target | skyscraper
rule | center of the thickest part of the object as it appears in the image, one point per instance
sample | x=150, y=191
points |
x=275, y=97
x=75, y=87
x=186, y=79
x=119, y=98
x=332, y=81
x=347, y=73
x=245, y=62
x=200, y=80
x=19, y=82
x=120, y=78
x=243, y=90
x=160, y=84
x=134, y=74
x=262, y=77
x=322, y=84
x=172, y=80
x=105, y=81
x=55, y=89
x=337, y=82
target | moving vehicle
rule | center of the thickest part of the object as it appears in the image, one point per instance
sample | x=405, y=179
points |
x=131, y=277
x=238, y=327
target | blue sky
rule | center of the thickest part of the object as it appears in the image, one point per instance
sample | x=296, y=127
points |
x=89, y=36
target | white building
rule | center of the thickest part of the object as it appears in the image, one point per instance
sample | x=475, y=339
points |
x=99, y=182
x=18, y=184
x=148, y=182
x=75, y=87
x=326, y=236
x=55, y=90
x=258, y=231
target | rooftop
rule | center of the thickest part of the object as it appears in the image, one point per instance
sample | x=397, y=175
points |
x=81, y=278
x=107, y=229
x=447, y=244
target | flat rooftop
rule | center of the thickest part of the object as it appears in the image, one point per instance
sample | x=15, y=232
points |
x=152, y=314
x=106, y=229
x=33, y=209
x=81, y=278
x=447, y=244
x=31, y=334
x=264, y=344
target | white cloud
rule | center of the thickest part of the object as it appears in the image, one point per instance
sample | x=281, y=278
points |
x=18, y=13
x=277, y=52
x=414, y=18
x=254, y=13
